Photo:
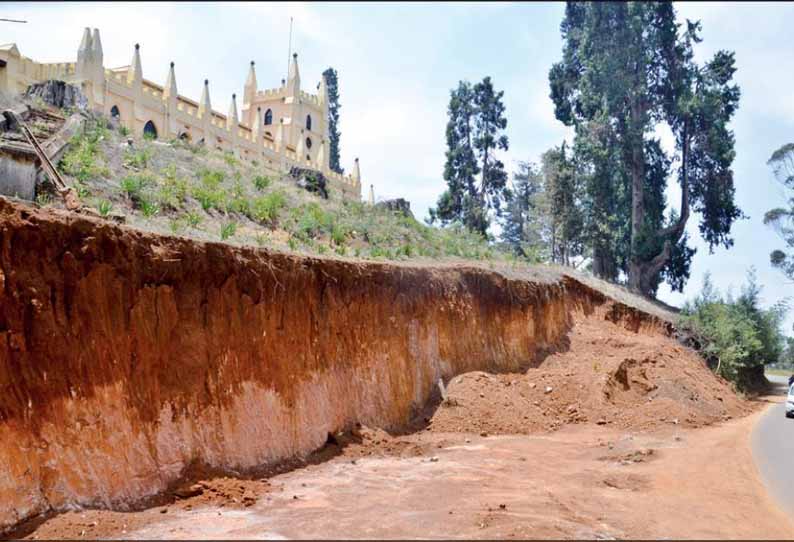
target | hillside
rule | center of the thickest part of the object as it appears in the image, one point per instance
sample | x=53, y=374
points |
x=176, y=188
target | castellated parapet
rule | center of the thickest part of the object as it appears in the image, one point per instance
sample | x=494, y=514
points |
x=278, y=128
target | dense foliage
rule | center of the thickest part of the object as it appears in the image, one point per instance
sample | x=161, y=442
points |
x=782, y=218
x=476, y=179
x=332, y=88
x=736, y=334
x=627, y=68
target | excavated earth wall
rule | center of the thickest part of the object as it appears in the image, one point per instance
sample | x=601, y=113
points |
x=125, y=357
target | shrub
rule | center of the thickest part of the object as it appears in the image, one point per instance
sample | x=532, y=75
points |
x=104, y=207
x=209, y=192
x=311, y=220
x=81, y=160
x=138, y=158
x=149, y=208
x=230, y=159
x=193, y=219
x=266, y=208
x=239, y=202
x=173, y=189
x=737, y=336
x=261, y=182
x=228, y=230
x=133, y=186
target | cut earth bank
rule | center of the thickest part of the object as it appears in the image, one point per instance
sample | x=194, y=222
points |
x=134, y=365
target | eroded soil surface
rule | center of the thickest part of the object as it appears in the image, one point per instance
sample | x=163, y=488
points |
x=584, y=481
x=605, y=439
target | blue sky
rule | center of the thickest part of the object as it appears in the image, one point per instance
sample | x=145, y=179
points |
x=397, y=63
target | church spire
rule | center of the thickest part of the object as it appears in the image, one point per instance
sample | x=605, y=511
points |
x=249, y=90
x=294, y=77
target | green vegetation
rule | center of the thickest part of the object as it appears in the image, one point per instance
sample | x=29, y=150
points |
x=266, y=209
x=83, y=159
x=228, y=230
x=628, y=68
x=261, y=182
x=737, y=335
x=782, y=218
x=330, y=77
x=476, y=179
x=104, y=207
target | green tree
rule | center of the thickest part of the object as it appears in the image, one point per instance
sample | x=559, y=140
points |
x=332, y=88
x=475, y=133
x=562, y=193
x=524, y=228
x=782, y=218
x=626, y=65
x=738, y=336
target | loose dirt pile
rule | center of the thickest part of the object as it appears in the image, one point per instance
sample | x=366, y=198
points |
x=607, y=375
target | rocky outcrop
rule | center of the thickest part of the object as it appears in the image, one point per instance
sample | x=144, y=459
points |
x=58, y=94
x=125, y=357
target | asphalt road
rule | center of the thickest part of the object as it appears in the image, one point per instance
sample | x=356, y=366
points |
x=773, y=450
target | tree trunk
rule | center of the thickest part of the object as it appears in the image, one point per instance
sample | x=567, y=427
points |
x=637, y=163
x=645, y=272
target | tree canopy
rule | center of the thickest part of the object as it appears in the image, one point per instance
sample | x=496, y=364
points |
x=782, y=218
x=332, y=88
x=626, y=68
x=476, y=179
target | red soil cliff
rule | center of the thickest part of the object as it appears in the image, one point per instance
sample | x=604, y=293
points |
x=126, y=356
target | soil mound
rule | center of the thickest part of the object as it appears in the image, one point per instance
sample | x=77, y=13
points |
x=607, y=375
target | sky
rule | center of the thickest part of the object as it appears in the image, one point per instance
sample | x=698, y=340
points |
x=397, y=63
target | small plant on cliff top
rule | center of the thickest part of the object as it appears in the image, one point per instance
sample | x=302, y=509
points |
x=149, y=208
x=266, y=208
x=104, y=207
x=193, y=219
x=228, y=230
x=173, y=189
x=261, y=182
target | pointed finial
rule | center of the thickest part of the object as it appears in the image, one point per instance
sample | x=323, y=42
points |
x=172, y=63
x=96, y=45
x=85, y=43
x=356, y=171
x=232, y=120
x=135, y=72
x=205, y=108
x=169, y=90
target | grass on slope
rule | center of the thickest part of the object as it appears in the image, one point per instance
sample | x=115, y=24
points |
x=177, y=188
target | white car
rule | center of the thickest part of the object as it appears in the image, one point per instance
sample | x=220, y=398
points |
x=790, y=402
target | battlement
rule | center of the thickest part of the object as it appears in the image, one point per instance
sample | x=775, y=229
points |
x=285, y=125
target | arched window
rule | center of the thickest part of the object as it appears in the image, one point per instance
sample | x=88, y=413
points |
x=268, y=117
x=114, y=112
x=308, y=122
x=149, y=130
x=308, y=143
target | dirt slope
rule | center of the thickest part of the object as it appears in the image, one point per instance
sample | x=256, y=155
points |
x=127, y=358
x=607, y=375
